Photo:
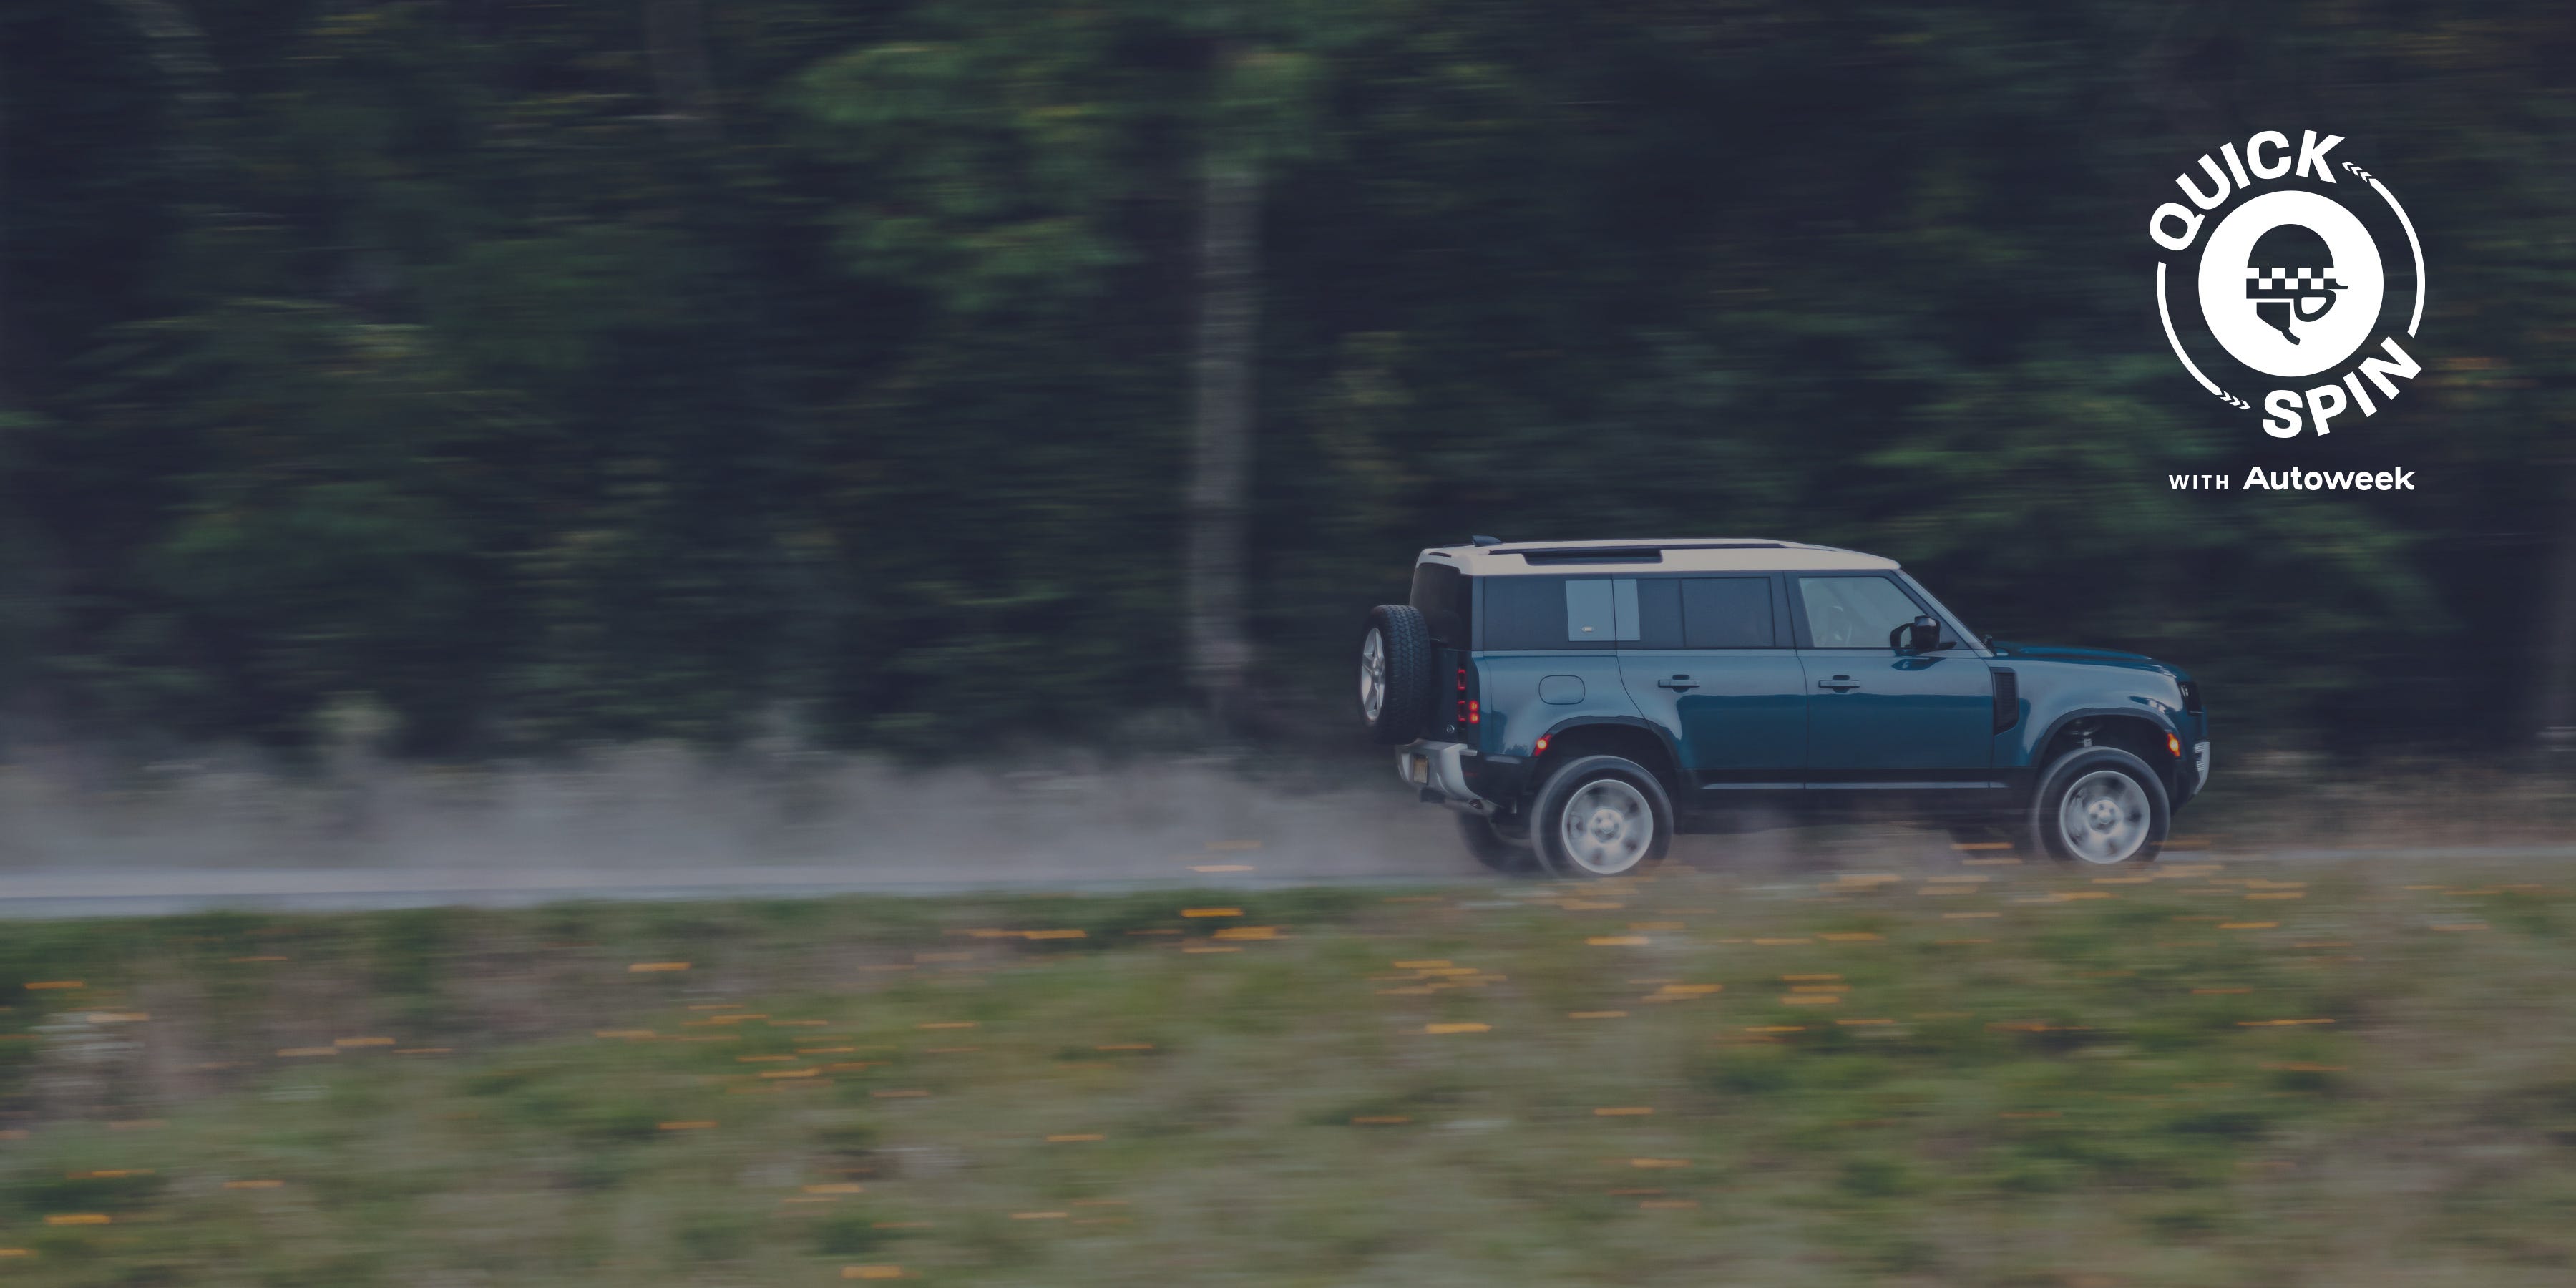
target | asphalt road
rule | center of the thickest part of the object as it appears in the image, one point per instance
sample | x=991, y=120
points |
x=91, y=891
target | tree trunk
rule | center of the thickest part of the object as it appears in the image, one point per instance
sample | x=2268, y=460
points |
x=2558, y=629
x=1220, y=650
x=8, y=304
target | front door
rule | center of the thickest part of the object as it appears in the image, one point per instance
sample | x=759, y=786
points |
x=1710, y=660
x=1877, y=717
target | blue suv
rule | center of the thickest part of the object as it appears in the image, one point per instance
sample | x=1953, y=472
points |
x=1579, y=702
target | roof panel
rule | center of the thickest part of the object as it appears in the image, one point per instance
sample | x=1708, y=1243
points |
x=1682, y=554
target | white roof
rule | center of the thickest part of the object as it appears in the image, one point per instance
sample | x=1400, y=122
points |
x=1677, y=554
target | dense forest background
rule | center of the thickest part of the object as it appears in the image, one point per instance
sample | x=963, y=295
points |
x=605, y=369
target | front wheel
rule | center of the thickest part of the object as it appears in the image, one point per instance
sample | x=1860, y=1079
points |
x=1601, y=816
x=2100, y=805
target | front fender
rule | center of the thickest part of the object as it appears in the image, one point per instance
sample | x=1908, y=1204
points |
x=2056, y=694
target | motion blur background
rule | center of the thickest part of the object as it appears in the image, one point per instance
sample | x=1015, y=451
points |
x=510, y=377
x=723, y=452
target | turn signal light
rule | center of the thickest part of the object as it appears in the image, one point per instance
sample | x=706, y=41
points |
x=2174, y=745
x=1541, y=749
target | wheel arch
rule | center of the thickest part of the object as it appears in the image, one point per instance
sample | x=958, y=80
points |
x=1640, y=740
x=2139, y=731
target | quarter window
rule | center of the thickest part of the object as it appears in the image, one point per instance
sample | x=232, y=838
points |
x=1587, y=611
x=1853, y=612
x=1599, y=609
x=1550, y=613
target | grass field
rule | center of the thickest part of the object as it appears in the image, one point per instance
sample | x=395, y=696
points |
x=1992, y=1074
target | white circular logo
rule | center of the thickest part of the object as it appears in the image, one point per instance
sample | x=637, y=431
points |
x=2290, y=283
x=2306, y=282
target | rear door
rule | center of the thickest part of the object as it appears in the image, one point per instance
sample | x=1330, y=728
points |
x=1710, y=658
x=1547, y=655
x=1877, y=717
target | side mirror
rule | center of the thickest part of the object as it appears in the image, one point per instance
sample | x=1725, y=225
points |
x=1922, y=635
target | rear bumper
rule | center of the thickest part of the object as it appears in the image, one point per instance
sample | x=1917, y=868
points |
x=1438, y=771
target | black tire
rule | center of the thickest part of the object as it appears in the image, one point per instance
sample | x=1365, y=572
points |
x=2122, y=823
x=1395, y=679
x=1495, y=850
x=1621, y=851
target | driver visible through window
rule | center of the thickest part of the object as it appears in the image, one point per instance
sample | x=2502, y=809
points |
x=1854, y=612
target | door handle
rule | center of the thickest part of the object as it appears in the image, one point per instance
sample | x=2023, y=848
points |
x=1677, y=682
x=1839, y=684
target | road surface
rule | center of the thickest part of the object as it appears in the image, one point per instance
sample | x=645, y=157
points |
x=107, y=891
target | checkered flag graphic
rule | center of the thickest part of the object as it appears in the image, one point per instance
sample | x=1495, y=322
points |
x=2276, y=281
x=2289, y=275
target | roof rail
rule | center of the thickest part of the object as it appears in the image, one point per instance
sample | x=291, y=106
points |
x=1594, y=554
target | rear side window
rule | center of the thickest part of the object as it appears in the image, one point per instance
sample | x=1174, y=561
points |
x=1444, y=597
x=1704, y=612
x=1600, y=608
x=1555, y=612
x=1726, y=612
x=1659, y=613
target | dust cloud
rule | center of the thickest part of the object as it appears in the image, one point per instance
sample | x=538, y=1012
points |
x=660, y=810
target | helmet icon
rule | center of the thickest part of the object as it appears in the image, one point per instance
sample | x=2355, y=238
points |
x=2289, y=275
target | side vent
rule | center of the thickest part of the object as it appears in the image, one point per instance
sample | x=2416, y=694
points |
x=2191, y=696
x=2007, y=699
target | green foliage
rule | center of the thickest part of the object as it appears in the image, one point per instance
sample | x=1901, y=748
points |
x=429, y=353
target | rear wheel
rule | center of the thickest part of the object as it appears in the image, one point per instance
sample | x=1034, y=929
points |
x=2100, y=805
x=1601, y=816
x=1495, y=849
x=1395, y=674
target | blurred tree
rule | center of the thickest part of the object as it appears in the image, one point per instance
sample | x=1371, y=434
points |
x=1029, y=145
x=627, y=368
x=677, y=30
x=1220, y=500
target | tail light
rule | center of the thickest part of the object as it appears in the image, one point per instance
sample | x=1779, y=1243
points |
x=1467, y=711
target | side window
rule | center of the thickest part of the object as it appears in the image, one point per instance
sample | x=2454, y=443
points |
x=1599, y=609
x=1727, y=612
x=1588, y=618
x=1554, y=612
x=1853, y=612
x=1659, y=613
